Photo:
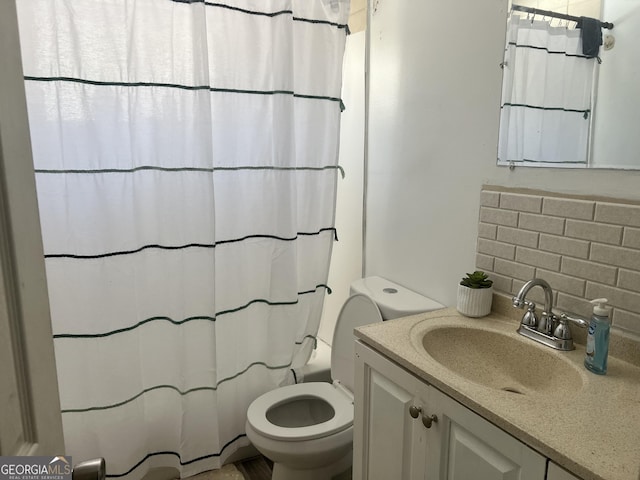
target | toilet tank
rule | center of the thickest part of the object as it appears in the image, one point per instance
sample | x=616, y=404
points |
x=393, y=300
x=373, y=299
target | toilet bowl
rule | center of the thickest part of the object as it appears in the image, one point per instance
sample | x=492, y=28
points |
x=306, y=429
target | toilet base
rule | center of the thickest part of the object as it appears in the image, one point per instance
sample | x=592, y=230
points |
x=328, y=472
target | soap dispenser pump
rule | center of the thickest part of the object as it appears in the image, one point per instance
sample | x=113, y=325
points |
x=597, y=349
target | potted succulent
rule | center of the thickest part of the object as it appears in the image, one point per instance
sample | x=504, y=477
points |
x=475, y=294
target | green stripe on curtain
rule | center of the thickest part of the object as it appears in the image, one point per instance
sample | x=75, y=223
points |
x=175, y=389
x=176, y=454
x=183, y=87
x=266, y=14
x=538, y=107
x=189, y=319
x=189, y=169
x=551, y=52
x=191, y=245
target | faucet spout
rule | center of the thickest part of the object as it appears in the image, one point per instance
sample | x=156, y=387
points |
x=519, y=300
x=552, y=329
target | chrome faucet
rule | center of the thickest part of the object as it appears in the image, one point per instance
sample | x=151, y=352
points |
x=551, y=329
x=545, y=324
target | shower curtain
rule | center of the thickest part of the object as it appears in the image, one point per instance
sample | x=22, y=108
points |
x=546, y=95
x=186, y=166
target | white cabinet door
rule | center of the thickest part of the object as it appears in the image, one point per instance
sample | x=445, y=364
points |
x=555, y=472
x=475, y=448
x=30, y=420
x=388, y=442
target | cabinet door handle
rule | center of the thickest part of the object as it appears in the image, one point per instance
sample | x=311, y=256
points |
x=427, y=421
x=414, y=411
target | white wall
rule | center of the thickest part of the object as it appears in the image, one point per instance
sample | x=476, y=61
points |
x=433, y=131
x=615, y=130
x=346, y=259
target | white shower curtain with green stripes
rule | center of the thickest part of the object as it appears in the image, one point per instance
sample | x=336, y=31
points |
x=545, y=113
x=186, y=164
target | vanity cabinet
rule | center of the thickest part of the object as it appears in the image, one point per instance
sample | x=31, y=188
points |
x=405, y=429
x=554, y=472
x=388, y=442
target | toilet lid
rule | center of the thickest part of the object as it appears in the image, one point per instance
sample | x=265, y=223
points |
x=342, y=407
x=357, y=311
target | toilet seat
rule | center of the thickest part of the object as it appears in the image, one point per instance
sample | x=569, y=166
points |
x=341, y=404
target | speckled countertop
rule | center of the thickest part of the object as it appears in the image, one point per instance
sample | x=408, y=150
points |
x=591, y=428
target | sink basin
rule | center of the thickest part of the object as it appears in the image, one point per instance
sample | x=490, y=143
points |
x=500, y=361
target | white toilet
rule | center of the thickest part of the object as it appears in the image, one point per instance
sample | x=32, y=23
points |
x=307, y=429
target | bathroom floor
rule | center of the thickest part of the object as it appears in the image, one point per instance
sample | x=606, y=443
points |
x=257, y=468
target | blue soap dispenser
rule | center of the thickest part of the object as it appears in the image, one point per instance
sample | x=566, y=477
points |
x=595, y=358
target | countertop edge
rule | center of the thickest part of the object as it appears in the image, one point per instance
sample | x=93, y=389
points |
x=503, y=423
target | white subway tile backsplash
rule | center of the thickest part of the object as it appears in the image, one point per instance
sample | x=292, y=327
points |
x=498, y=217
x=578, y=305
x=564, y=245
x=496, y=249
x=529, y=256
x=520, y=202
x=619, y=214
x=626, y=321
x=596, y=272
x=541, y=223
x=563, y=283
x=516, y=236
x=568, y=208
x=596, y=232
x=489, y=199
x=500, y=282
x=584, y=248
x=484, y=262
x=631, y=238
x=629, y=279
x=513, y=269
x=616, y=296
x=619, y=256
x=486, y=230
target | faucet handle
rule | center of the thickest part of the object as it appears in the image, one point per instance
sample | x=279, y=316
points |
x=571, y=317
x=562, y=330
x=530, y=319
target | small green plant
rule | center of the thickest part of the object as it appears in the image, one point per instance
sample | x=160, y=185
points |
x=477, y=279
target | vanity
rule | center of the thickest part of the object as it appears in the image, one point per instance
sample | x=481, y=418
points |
x=439, y=395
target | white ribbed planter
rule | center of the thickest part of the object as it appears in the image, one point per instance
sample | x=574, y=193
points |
x=474, y=302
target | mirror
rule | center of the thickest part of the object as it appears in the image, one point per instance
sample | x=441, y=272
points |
x=557, y=111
